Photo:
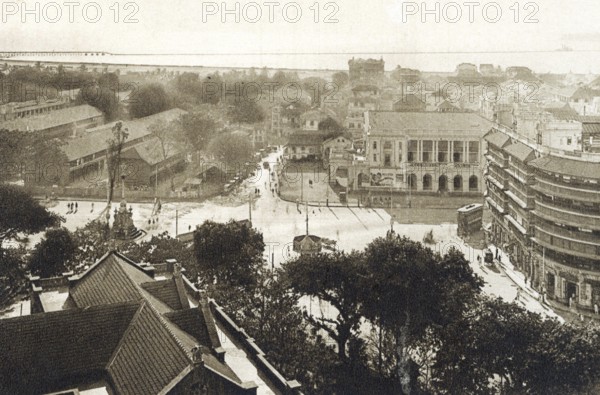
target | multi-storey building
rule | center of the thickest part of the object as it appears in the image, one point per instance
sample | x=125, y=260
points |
x=366, y=71
x=427, y=152
x=545, y=204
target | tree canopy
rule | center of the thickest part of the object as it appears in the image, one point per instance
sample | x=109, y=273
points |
x=232, y=149
x=21, y=213
x=150, y=99
x=231, y=253
x=51, y=255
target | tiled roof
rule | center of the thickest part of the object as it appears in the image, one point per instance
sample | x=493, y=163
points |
x=95, y=139
x=429, y=121
x=151, y=151
x=125, y=328
x=106, y=282
x=192, y=322
x=446, y=105
x=567, y=167
x=520, y=151
x=149, y=356
x=53, y=119
x=306, y=138
x=40, y=351
x=591, y=129
x=497, y=139
x=409, y=100
x=165, y=291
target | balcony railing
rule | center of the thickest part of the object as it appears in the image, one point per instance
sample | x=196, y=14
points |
x=566, y=216
x=566, y=245
x=566, y=191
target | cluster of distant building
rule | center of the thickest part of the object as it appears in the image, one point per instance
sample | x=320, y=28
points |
x=532, y=152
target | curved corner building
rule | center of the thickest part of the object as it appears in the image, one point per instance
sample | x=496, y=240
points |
x=545, y=205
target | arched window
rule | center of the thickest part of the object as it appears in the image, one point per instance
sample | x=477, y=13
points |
x=443, y=183
x=458, y=183
x=427, y=182
x=473, y=183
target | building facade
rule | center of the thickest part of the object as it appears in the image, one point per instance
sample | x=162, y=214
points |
x=545, y=205
x=423, y=152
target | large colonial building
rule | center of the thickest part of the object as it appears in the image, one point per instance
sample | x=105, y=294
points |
x=545, y=204
x=426, y=152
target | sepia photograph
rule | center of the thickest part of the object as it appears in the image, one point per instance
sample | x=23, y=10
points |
x=299, y=197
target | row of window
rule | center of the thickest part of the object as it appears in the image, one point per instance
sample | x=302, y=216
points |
x=457, y=183
x=427, y=153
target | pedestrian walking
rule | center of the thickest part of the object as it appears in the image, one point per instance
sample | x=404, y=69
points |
x=189, y=228
x=76, y=206
x=92, y=207
x=595, y=308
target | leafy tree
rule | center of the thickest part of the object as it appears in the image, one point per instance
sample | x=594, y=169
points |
x=198, y=128
x=245, y=110
x=21, y=213
x=22, y=151
x=168, y=136
x=499, y=347
x=313, y=87
x=405, y=293
x=12, y=275
x=160, y=248
x=103, y=97
x=148, y=100
x=231, y=253
x=340, y=79
x=110, y=81
x=232, y=149
x=333, y=278
x=113, y=156
x=50, y=256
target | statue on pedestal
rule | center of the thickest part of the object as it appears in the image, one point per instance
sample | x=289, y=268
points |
x=123, y=227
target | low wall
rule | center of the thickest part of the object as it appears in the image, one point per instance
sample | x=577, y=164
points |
x=254, y=352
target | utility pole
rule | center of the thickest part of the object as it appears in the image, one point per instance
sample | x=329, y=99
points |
x=301, y=184
x=306, y=209
x=176, y=222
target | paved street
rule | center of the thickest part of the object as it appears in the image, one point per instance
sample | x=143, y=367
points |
x=280, y=221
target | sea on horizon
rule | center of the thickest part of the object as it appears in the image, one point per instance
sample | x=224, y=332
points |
x=559, y=61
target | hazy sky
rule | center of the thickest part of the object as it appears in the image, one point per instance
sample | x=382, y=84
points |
x=177, y=26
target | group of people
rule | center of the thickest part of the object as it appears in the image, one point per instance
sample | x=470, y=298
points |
x=153, y=223
x=73, y=207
